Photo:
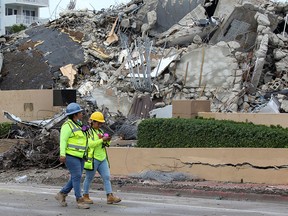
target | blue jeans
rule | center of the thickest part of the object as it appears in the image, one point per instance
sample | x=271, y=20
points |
x=75, y=166
x=104, y=171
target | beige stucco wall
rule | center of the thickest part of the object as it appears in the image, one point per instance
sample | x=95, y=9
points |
x=28, y=104
x=256, y=118
x=250, y=165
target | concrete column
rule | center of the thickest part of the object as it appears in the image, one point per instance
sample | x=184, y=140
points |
x=259, y=64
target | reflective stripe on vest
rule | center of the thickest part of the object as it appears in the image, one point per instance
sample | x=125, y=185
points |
x=74, y=127
x=76, y=147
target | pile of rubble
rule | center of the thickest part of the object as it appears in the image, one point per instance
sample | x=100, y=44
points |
x=230, y=52
x=147, y=53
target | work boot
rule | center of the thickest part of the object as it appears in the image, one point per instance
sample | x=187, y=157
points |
x=87, y=199
x=112, y=199
x=61, y=199
x=81, y=204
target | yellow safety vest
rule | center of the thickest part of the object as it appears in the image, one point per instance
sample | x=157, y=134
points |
x=76, y=144
x=88, y=165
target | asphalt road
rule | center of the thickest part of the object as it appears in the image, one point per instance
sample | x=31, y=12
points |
x=38, y=200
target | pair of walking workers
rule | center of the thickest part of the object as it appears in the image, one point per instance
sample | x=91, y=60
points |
x=84, y=146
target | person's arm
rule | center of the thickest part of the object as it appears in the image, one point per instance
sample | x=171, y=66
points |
x=65, y=133
x=96, y=142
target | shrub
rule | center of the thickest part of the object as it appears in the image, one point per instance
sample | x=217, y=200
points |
x=17, y=28
x=4, y=129
x=209, y=133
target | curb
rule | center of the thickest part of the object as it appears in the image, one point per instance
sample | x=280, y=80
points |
x=209, y=193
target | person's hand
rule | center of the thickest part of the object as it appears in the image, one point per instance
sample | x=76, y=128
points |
x=106, y=138
x=62, y=159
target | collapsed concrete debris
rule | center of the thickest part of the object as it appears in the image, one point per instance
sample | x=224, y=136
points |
x=140, y=56
x=223, y=51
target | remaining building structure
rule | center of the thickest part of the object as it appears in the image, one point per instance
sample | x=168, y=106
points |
x=19, y=12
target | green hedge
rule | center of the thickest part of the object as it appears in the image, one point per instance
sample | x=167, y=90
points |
x=4, y=129
x=209, y=133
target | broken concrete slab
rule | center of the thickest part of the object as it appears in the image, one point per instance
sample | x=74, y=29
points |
x=113, y=102
x=166, y=16
x=200, y=68
x=282, y=64
x=165, y=112
x=42, y=51
x=65, y=51
x=187, y=21
x=184, y=36
x=241, y=26
x=23, y=70
x=273, y=106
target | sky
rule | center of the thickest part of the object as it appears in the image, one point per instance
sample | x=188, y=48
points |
x=57, y=6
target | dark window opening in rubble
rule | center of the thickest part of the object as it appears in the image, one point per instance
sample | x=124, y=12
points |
x=280, y=28
x=269, y=72
x=210, y=7
x=227, y=30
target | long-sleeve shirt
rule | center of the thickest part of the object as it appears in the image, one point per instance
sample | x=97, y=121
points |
x=95, y=142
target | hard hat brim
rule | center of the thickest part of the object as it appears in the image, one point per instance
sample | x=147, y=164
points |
x=101, y=121
x=74, y=112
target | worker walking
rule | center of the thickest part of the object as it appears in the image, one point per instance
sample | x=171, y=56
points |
x=73, y=141
x=98, y=159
